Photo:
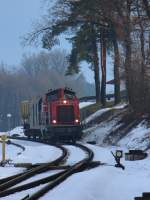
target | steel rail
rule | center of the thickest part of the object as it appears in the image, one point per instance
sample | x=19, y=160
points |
x=35, y=170
x=55, y=179
x=78, y=167
x=31, y=184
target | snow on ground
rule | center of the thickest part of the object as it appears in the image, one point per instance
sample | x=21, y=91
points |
x=18, y=130
x=38, y=152
x=98, y=132
x=84, y=104
x=96, y=114
x=34, y=153
x=138, y=138
x=101, y=111
x=105, y=182
x=75, y=155
x=120, y=106
x=23, y=194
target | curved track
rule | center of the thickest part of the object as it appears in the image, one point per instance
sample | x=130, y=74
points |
x=80, y=166
x=52, y=180
x=8, y=182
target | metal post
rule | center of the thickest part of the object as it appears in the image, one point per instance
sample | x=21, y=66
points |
x=3, y=150
x=3, y=138
x=8, y=124
x=8, y=117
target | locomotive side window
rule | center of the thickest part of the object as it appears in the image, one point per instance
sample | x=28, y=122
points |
x=36, y=112
x=52, y=97
x=47, y=121
x=39, y=111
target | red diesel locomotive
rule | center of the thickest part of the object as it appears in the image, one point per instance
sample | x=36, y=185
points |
x=55, y=116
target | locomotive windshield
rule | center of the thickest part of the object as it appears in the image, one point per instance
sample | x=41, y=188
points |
x=65, y=114
x=69, y=94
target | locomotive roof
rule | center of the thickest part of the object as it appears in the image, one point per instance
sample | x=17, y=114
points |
x=68, y=90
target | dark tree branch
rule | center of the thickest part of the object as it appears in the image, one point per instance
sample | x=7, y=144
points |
x=147, y=7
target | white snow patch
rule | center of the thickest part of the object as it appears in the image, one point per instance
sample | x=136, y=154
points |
x=120, y=106
x=38, y=153
x=100, y=131
x=138, y=138
x=85, y=104
x=34, y=153
x=96, y=114
x=18, y=130
x=75, y=155
x=101, y=111
x=105, y=182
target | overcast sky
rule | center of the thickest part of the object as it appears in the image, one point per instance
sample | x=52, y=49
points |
x=16, y=17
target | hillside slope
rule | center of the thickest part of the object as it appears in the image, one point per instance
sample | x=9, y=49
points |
x=118, y=126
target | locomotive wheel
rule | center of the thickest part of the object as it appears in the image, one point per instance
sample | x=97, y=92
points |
x=73, y=141
x=40, y=137
x=29, y=137
x=34, y=137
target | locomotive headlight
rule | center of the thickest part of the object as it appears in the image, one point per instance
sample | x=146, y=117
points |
x=64, y=101
x=54, y=121
x=76, y=120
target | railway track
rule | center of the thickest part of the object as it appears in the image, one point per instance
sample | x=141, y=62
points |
x=8, y=185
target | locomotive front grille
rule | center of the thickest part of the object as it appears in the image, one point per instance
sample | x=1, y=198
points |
x=65, y=114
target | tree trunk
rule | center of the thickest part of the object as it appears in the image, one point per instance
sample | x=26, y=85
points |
x=116, y=71
x=134, y=73
x=128, y=51
x=143, y=91
x=96, y=69
x=128, y=67
x=103, y=68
